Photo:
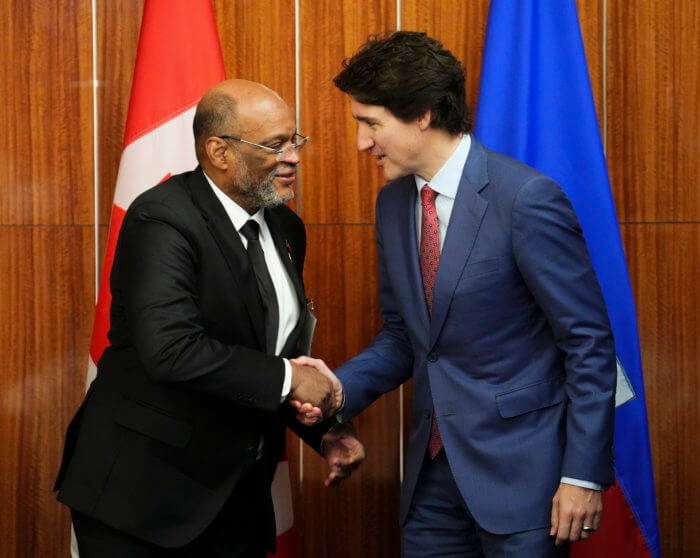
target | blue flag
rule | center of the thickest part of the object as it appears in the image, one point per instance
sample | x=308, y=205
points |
x=535, y=104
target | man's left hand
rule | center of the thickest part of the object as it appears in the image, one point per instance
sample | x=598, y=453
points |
x=344, y=453
x=573, y=508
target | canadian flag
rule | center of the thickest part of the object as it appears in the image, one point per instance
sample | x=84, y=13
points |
x=178, y=59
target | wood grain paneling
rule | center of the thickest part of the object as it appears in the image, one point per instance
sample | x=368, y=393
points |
x=46, y=304
x=257, y=41
x=46, y=140
x=118, y=27
x=654, y=109
x=663, y=262
x=339, y=184
x=341, y=278
x=460, y=26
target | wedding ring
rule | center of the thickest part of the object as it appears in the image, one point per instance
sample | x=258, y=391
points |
x=587, y=529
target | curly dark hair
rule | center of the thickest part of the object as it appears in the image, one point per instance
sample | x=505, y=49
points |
x=409, y=72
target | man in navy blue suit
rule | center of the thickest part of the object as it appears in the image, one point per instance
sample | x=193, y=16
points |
x=491, y=305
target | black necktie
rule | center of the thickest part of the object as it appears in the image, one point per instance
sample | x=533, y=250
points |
x=267, y=291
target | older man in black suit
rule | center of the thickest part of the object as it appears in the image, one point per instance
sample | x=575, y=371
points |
x=173, y=451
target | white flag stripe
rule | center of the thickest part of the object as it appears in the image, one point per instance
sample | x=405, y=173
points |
x=147, y=160
x=625, y=391
x=282, y=497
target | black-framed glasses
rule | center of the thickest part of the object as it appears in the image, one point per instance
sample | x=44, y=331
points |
x=298, y=141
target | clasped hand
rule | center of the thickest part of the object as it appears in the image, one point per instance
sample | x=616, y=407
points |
x=315, y=391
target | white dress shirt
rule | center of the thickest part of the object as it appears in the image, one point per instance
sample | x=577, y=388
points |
x=445, y=183
x=286, y=297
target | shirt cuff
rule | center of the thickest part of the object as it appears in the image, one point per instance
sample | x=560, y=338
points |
x=581, y=483
x=287, y=384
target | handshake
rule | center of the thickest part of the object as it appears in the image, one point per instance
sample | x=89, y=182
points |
x=315, y=392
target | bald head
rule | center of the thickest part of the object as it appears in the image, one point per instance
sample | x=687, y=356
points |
x=233, y=107
x=240, y=128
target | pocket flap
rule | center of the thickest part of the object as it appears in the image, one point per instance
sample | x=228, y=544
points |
x=481, y=268
x=152, y=422
x=530, y=398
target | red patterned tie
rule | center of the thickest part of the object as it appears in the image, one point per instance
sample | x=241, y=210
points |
x=429, y=261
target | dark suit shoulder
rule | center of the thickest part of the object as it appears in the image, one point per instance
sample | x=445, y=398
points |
x=170, y=201
x=171, y=191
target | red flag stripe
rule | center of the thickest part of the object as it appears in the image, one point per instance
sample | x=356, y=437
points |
x=618, y=533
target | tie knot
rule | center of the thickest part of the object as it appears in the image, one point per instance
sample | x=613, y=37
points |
x=427, y=194
x=250, y=230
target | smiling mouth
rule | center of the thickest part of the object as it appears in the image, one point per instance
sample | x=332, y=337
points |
x=286, y=177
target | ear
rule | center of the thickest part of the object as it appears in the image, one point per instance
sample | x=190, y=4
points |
x=217, y=151
x=424, y=120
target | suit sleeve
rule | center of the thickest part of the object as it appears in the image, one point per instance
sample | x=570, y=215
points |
x=553, y=259
x=388, y=361
x=156, y=282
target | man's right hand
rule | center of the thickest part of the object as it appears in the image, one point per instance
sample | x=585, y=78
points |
x=311, y=386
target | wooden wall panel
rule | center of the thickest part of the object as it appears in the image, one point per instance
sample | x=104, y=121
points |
x=46, y=139
x=360, y=517
x=257, y=41
x=339, y=184
x=654, y=109
x=663, y=264
x=46, y=302
x=118, y=28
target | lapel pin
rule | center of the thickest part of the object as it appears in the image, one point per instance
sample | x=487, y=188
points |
x=289, y=249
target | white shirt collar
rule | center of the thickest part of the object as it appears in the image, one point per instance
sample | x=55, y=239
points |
x=235, y=212
x=446, y=180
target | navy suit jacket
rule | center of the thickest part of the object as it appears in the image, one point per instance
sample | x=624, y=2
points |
x=517, y=359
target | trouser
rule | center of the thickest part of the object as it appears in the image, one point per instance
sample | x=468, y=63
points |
x=440, y=525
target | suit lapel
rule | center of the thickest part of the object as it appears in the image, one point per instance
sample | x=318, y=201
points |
x=465, y=220
x=285, y=252
x=229, y=242
x=401, y=244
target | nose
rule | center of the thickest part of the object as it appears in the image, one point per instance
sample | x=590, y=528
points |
x=289, y=155
x=364, y=139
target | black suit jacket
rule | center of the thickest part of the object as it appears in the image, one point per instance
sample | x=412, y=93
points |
x=185, y=391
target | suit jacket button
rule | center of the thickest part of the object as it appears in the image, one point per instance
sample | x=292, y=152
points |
x=251, y=447
x=432, y=357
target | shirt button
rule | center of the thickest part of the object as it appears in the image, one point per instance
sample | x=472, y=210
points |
x=432, y=357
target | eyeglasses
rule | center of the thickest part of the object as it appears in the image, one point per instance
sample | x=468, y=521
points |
x=298, y=141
